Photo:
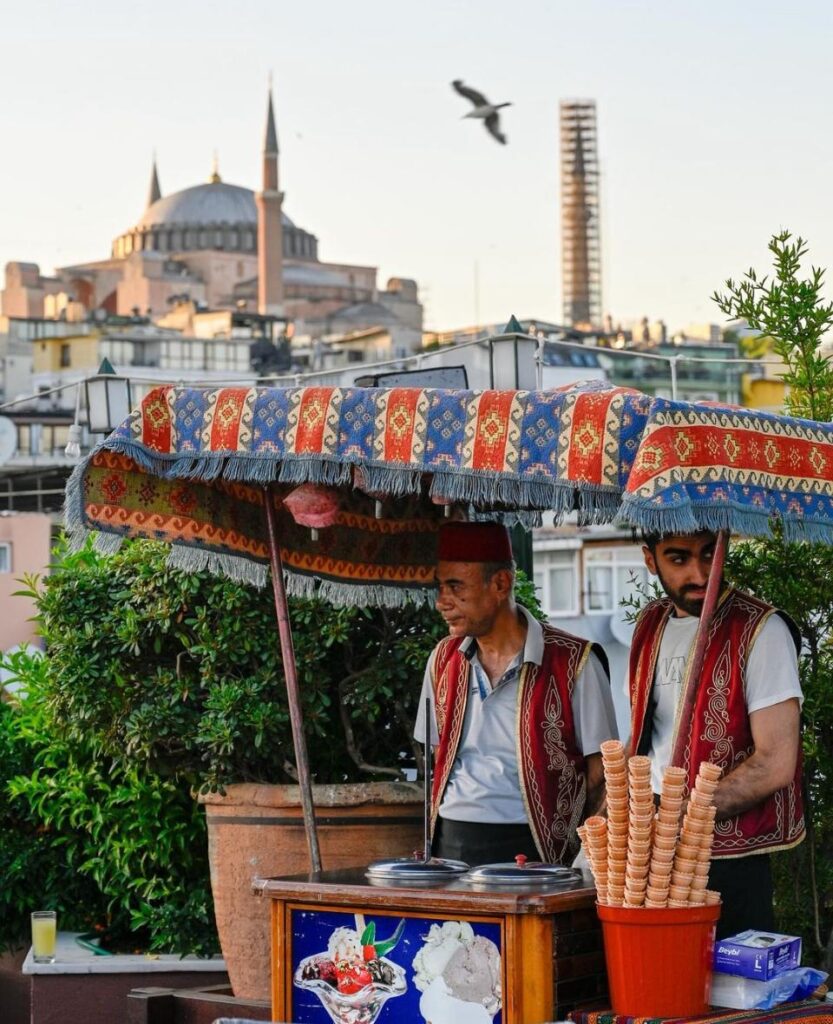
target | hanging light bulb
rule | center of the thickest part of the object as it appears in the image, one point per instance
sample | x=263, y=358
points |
x=73, y=448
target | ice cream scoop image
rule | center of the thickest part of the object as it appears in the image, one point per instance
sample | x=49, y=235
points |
x=344, y=944
x=459, y=976
x=438, y=1006
x=441, y=943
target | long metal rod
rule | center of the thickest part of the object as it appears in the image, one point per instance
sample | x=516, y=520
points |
x=291, y=676
x=689, y=697
x=427, y=759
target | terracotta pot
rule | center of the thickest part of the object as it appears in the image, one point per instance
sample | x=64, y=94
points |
x=258, y=831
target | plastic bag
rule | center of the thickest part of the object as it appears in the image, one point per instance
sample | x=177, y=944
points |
x=744, y=994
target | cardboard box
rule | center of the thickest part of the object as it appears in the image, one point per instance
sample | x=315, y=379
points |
x=757, y=955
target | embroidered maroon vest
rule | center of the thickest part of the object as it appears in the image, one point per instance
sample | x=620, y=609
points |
x=720, y=730
x=550, y=765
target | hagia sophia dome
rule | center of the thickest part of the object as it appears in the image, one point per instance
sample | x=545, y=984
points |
x=213, y=216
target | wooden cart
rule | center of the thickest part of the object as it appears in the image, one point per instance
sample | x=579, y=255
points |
x=549, y=941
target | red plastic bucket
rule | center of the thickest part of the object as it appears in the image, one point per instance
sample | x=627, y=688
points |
x=659, y=962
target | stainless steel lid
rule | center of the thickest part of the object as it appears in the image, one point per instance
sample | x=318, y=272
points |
x=413, y=870
x=523, y=872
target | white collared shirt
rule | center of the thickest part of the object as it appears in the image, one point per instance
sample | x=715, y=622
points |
x=484, y=784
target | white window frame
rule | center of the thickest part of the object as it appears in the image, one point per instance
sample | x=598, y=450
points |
x=620, y=556
x=5, y=556
x=541, y=569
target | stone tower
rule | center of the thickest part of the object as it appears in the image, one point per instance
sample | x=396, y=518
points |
x=269, y=226
x=581, y=260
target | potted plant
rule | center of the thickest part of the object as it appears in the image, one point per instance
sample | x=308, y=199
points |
x=178, y=677
x=172, y=682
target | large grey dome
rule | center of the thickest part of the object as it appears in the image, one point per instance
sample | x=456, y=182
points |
x=214, y=216
x=212, y=203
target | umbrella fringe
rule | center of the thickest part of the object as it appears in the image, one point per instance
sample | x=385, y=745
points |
x=107, y=543
x=392, y=480
x=739, y=520
x=300, y=470
x=345, y=595
x=595, y=504
x=241, y=570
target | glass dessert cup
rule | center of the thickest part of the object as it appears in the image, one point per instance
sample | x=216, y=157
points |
x=362, y=1007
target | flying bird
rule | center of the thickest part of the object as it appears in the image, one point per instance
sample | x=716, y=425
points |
x=483, y=109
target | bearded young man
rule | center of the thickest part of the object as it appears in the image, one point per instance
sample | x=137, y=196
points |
x=519, y=711
x=746, y=717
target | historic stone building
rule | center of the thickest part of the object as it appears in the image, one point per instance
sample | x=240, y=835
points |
x=219, y=246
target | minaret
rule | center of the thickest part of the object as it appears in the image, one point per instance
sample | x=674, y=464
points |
x=269, y=226
x=154, y=192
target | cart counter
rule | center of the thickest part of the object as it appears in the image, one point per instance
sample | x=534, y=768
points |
x=351, y=951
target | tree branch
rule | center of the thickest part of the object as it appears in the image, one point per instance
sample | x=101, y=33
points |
x=344, y=686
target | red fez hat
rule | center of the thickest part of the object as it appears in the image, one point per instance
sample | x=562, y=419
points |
x=474, y=542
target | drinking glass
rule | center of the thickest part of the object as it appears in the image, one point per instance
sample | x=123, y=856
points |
x=44, y=935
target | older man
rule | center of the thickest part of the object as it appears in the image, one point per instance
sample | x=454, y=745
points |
x=519, y=712
x=746, y=717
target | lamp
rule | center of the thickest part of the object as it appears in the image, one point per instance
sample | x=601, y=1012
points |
x=513, y=359
x=108, y=399
x=514, y=363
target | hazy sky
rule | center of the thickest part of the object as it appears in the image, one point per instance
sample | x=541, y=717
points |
x=714, y=132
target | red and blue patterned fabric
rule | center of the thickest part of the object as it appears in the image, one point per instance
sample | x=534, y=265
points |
x=713, y=467
x=189, y=466
x=797, y=1013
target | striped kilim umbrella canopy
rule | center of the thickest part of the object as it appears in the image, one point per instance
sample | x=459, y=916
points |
x=190, y=467
x=345, y=489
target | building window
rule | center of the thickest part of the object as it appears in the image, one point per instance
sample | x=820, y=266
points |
x=5, y=557
x=556, y=581
x=65, y=361
x=610, y=575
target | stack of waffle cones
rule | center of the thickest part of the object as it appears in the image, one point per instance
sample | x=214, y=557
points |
x=640, y=856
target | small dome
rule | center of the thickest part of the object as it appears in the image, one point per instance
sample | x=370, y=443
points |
x=212, y=203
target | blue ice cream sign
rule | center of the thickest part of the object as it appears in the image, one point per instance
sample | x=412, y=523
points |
x=361, y=968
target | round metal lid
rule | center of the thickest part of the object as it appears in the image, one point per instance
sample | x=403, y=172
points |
x=523, y=872
x=411, y=870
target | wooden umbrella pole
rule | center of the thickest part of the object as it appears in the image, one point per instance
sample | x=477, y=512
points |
x=695, y=667
x=426, y=852
x=291, y=675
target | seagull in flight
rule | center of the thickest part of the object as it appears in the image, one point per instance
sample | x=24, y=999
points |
x=483, y=109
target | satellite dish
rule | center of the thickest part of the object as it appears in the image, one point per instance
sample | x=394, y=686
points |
x=8, y=439
x=621, y=629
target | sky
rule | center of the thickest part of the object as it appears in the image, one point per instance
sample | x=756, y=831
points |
x=714, y=133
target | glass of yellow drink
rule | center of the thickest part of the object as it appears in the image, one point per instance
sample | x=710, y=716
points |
x=44, y=935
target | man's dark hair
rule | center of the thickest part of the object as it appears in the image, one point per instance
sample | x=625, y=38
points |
x=490, y=568
x=651, y=539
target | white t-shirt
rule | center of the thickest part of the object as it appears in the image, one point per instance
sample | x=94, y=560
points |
x=771, y=677
x=483, y=785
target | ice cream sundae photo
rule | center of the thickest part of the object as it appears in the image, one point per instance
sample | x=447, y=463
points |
x=353, y=978
x=458, y=974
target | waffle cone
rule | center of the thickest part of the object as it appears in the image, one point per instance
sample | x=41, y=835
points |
x=710, y=771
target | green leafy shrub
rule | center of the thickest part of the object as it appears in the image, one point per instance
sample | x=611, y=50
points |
x=157, y=683
x=798, y=578
x=112, y=846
